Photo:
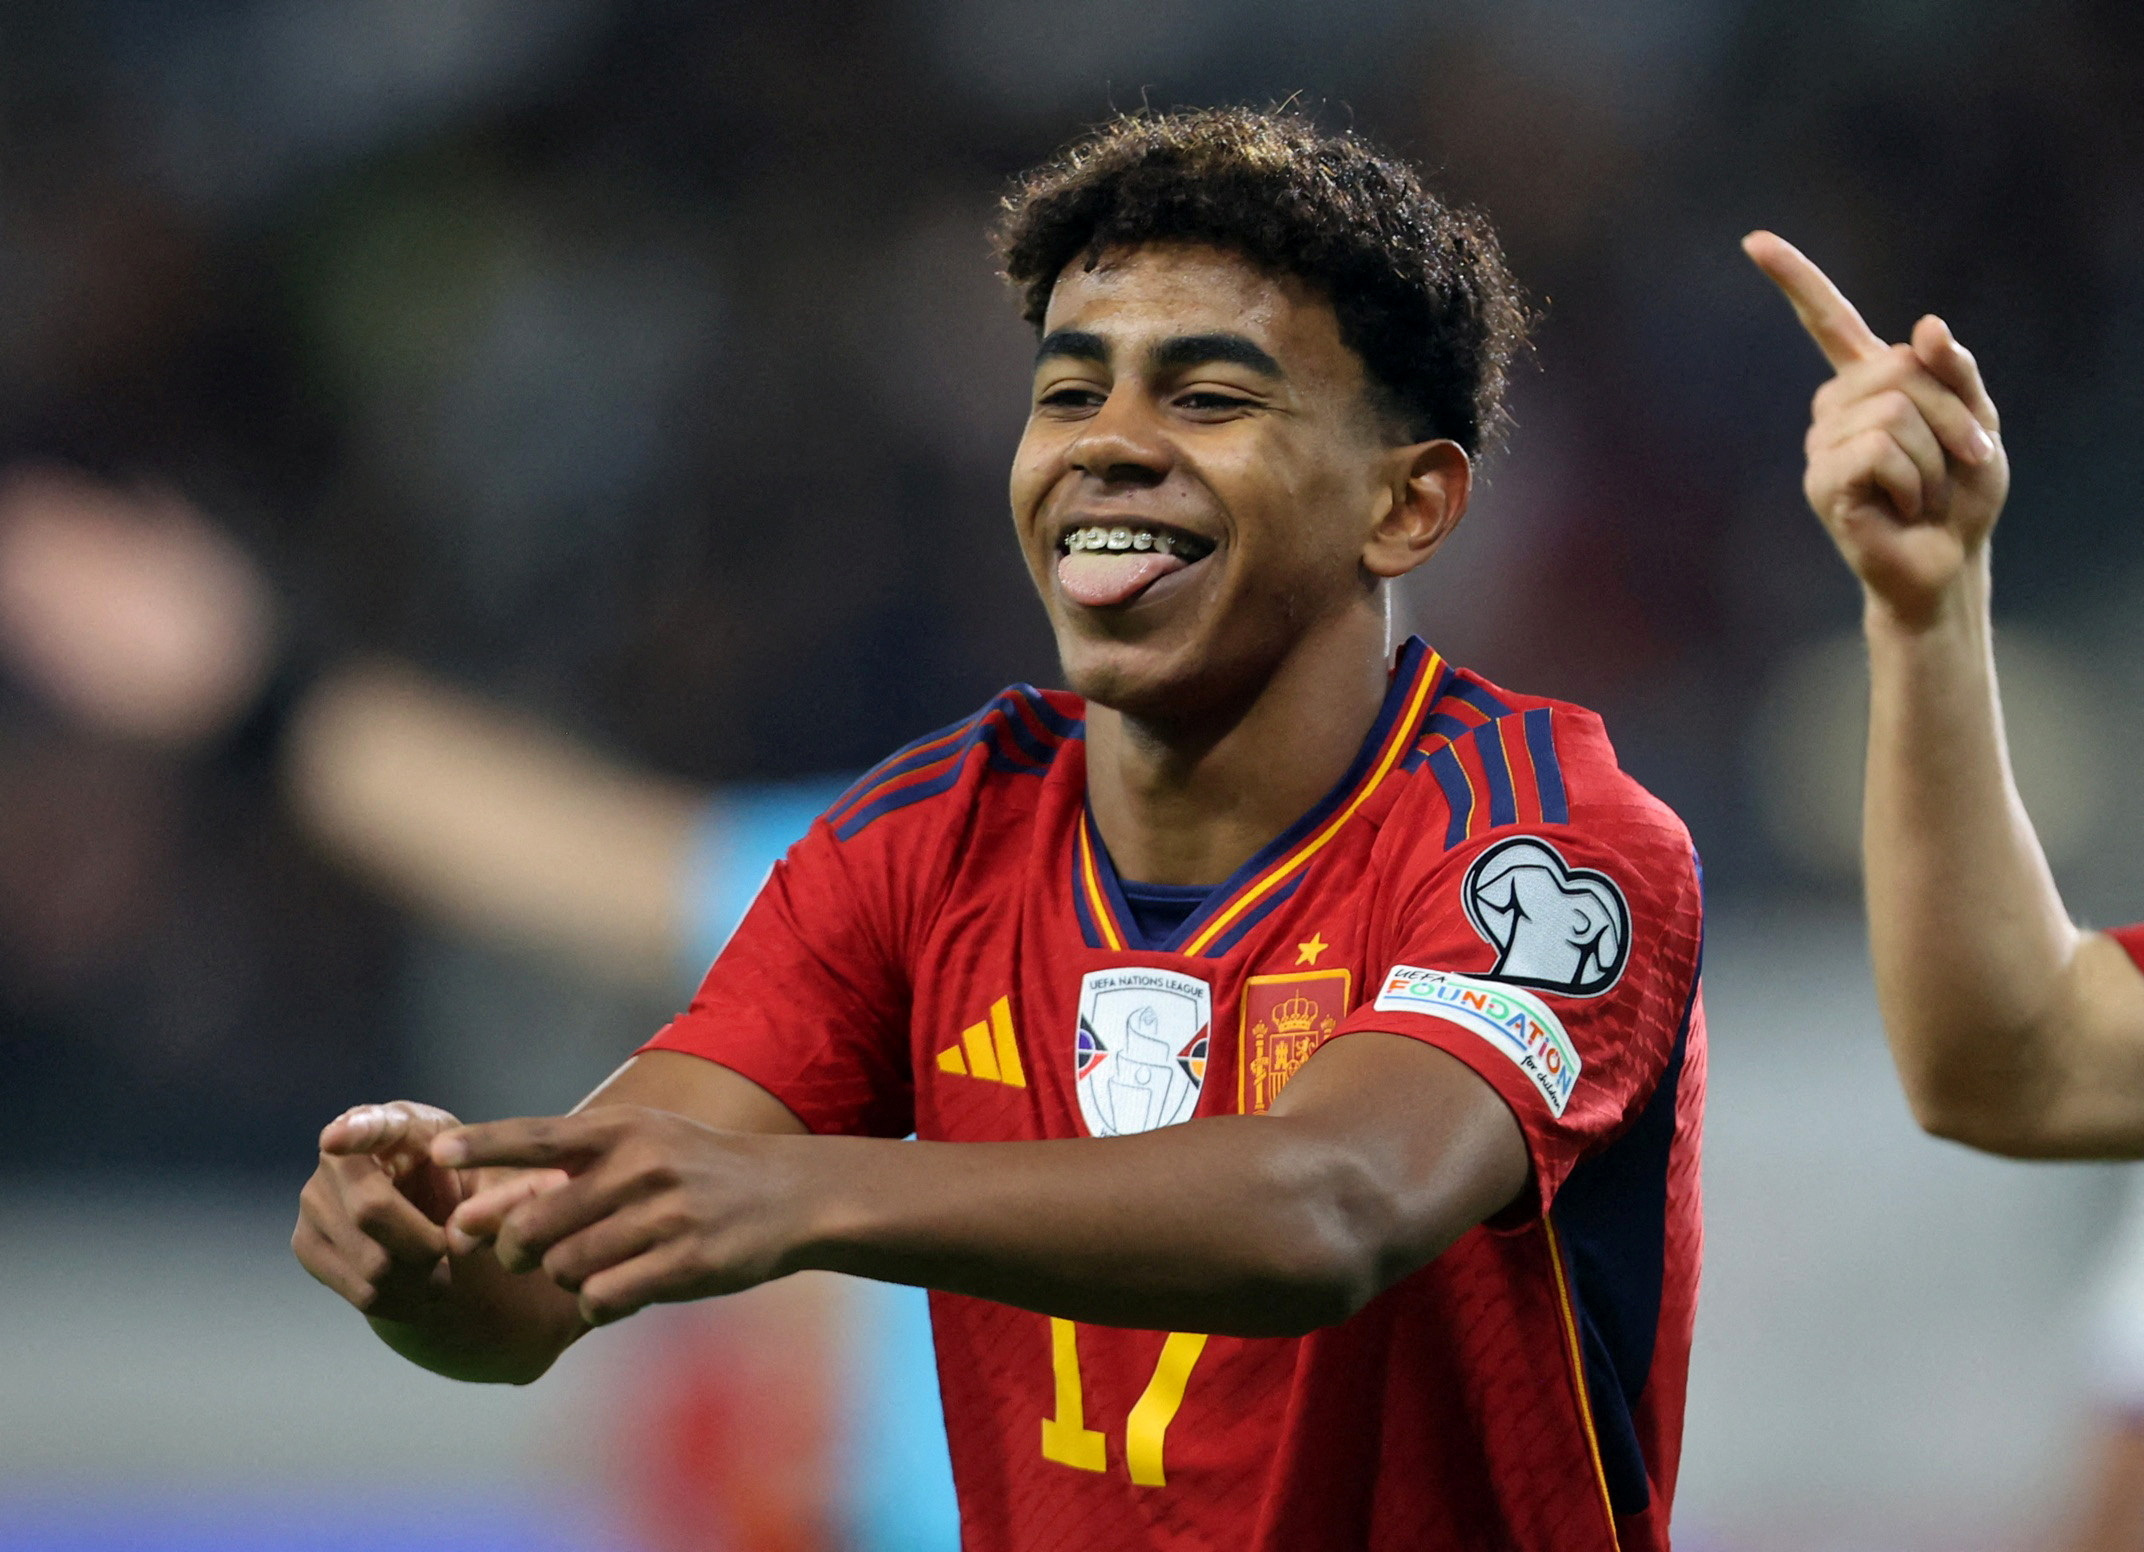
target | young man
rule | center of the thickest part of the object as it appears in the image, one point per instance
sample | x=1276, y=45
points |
x=1305, y=1044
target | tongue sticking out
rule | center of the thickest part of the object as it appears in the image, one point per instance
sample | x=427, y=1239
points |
x=1100, y=580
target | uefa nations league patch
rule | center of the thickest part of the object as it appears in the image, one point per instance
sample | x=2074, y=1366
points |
x=1514, y=1021
x=1554, y=927
x=1140, y=1053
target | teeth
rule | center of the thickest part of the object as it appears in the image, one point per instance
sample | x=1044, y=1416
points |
x=1123, y=538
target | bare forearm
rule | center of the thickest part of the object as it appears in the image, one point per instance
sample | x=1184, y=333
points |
x=1249, y=1225
x=493, y=823
x=1252, y=1225
x=1227, y=1224
x=1973, y=950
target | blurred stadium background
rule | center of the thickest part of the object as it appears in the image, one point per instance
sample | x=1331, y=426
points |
x=638, y=368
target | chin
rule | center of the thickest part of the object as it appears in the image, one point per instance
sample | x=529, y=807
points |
x=1145, y=681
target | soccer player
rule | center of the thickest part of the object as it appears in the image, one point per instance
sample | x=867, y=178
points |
x=1304, y=1039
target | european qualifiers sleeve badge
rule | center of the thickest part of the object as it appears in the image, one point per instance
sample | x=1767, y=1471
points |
x=1554, y=927
x=1140, y=1053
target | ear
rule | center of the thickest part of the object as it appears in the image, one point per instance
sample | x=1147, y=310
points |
x=1422, y=502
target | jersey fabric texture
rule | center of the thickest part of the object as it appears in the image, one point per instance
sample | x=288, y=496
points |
x=948, y=952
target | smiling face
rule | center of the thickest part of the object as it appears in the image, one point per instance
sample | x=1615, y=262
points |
x=1203, y=482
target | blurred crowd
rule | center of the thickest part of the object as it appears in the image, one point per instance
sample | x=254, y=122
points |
x=639, y=368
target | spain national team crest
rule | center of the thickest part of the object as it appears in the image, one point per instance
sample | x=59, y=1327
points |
x=1141, y=1050
x=1285, y=1018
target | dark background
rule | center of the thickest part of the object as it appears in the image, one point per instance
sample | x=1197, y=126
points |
x=641, y=365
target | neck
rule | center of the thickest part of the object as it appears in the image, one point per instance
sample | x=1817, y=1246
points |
x=1192, y=805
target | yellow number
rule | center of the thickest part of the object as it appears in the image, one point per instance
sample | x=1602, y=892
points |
x=1151, y=1414
x=1067, y=1439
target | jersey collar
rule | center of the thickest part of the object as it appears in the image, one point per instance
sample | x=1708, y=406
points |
x=1255, y=889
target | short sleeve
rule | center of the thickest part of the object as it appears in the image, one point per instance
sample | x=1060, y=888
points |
x=809, y=998
x=1559, y=966
x=740, y=834
x=2131, y=940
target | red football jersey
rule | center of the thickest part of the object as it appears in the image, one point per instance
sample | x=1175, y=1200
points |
x=948, y=951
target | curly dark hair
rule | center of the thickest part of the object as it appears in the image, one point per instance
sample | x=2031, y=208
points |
x=1419, y=286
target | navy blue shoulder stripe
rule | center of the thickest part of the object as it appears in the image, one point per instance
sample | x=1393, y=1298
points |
x=1548, y=770
x=1496, y=768
x=908, y=757
x=932, y=765
x=1480, y=699
x=1458, y=793
x=1049, y=716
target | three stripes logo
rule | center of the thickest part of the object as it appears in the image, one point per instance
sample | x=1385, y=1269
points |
x=987, y=1050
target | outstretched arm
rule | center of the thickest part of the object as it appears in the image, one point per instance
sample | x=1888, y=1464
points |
x=137, y=617
x=1380, y=1153
x=2013, y=1031
x=493, y=822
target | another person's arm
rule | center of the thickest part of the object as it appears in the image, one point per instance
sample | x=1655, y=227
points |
x=138, y=618
x=493, y=822
x=2013, y=1030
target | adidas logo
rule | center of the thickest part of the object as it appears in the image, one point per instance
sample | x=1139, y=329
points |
x=987, y=1050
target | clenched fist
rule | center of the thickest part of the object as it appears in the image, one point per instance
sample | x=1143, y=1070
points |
x=1906, y=463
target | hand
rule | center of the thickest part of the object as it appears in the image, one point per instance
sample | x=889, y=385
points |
x=658, y=1208
x=127, y=608
x=370, y=1221
x=1906, y=463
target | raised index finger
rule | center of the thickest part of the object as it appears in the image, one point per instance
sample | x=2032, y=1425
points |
x=1832, y=321
x=556, y=1142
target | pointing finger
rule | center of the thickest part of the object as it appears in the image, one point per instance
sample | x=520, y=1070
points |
x=549, y=1142
x=1830, y=319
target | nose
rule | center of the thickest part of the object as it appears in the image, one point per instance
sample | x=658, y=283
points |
x=1122, y=444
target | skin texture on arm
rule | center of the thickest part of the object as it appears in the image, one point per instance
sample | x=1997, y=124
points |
x=371, y=1223
x=493, y=822
x=1380, y=1154
x=2013, y=1031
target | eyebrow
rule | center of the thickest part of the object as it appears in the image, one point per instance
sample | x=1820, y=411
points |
x=1172, y=354
x=1074, y=343
x=1199, y=349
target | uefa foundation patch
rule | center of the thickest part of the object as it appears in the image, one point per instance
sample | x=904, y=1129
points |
x=1515, y=1021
